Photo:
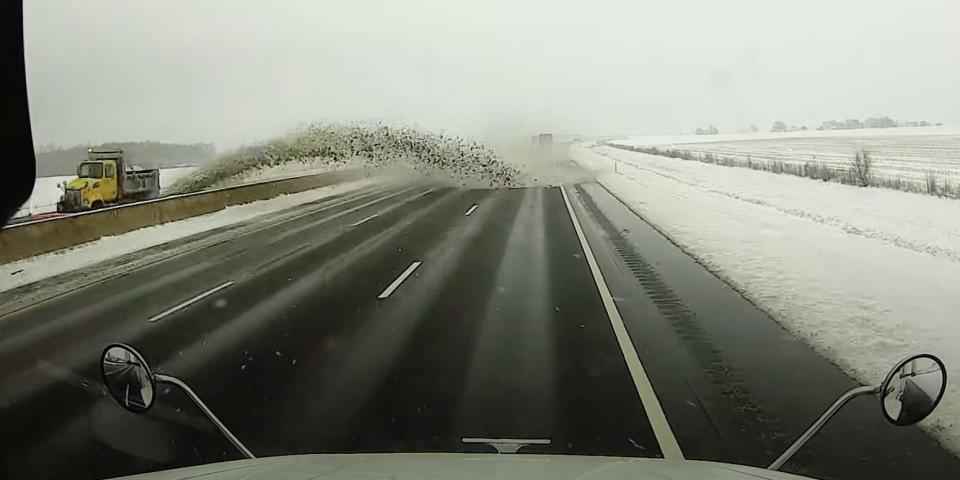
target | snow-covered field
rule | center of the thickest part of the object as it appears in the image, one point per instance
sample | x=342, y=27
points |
x=904, y=153
x=654, y=140
x=32, y=269
x=864, y=275
x=46, y=190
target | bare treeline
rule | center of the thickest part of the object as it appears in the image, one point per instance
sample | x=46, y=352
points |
x=860, y=170
x=57, y=160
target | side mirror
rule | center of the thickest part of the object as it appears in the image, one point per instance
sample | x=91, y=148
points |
x=128, y=377
x=912, y=389
x=134, y=386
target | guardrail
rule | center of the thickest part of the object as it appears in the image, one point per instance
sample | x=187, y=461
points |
x=28, y=239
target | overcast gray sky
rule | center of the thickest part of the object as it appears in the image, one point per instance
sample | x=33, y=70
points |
x=232, y=71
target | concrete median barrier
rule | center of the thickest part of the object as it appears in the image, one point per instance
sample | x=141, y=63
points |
x=34, y=238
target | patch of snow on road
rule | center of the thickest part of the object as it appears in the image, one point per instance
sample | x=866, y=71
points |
x=32, y=269
x=864, y=275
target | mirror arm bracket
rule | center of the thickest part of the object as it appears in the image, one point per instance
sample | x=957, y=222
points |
x=206, y=411
x=813, y=429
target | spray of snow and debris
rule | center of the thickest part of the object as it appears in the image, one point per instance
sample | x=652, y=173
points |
x=864, y=275
x=324, y=147
x=392, y=152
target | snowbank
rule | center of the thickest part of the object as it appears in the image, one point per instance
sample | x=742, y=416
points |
x=278, y=172
x=30, y=270
x=866, y=276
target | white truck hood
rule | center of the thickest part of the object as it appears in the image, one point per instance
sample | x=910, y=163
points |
x=471, y=466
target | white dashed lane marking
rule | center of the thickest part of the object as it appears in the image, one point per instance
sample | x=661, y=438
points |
x=371, y=217
x=396, y=283
x=189, y=302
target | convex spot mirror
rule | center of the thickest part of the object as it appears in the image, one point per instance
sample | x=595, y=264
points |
x=912, y=389
x=128, y=377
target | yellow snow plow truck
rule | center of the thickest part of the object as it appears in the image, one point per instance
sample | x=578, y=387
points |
x=105, y=179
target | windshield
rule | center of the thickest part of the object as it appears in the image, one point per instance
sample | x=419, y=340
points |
x=660, y=230
x=91, y=170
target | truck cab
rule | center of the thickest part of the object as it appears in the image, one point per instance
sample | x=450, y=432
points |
x=97, y=182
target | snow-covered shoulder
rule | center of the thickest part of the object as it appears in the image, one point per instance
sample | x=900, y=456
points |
x=864, y=275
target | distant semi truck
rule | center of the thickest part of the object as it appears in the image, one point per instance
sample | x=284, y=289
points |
x=104, y=179
x=545, y=140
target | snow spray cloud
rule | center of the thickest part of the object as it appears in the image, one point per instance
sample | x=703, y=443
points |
x=430, y=155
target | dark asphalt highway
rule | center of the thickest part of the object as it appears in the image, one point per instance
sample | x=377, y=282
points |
x=404, y=318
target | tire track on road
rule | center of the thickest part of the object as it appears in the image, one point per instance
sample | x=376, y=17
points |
x=727, y=378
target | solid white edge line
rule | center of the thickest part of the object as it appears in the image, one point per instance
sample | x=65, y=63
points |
x=474, y=207
x=371, y=217
x=189, y=302
x=396, y=283
x=658, y=420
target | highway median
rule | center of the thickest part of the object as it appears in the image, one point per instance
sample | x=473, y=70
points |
x=43, y=236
